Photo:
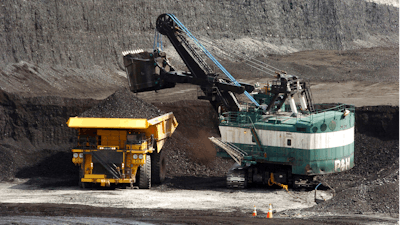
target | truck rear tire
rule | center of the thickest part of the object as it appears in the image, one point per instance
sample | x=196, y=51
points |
x=158, y=167
x=145, y=174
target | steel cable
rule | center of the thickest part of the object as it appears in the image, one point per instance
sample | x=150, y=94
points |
x=248, y=60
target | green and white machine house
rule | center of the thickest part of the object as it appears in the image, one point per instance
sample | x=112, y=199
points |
x=285, y=143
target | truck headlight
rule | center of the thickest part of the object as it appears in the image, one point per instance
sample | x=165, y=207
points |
x=134, y=156
x=75, y=155
x=80, y=155
x=140, y=156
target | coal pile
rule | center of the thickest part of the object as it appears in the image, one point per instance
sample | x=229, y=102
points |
x=378, y=121
x=189, y=151
x=123, y=104
x=196, y=159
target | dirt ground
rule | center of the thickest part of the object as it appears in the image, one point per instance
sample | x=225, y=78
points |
x=26, y=201
x=79, y=214
x=205, y=197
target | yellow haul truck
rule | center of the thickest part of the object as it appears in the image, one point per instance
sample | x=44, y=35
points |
x=121, y=150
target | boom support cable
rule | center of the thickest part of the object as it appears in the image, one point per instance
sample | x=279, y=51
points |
x=250, y=61
x=210, y=56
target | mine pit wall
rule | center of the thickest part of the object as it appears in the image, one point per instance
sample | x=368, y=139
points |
x=35, y=140
x=81, y=34
x=32, y=129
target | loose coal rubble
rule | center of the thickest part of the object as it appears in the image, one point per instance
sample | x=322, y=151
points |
x=372, y=185
x=187, y=155
x=182, y=161
x=189, y=151
x=123, y=104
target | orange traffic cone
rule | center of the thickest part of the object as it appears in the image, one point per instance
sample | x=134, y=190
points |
x=269, y=214
x=255, y=211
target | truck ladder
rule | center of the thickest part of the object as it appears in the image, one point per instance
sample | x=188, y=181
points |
x=309, y=100
x=107, y=166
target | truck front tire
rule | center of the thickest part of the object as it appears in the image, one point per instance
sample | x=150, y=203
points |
x=145, y=174
x=80, y=183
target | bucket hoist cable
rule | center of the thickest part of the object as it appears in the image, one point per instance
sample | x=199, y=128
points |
x=157, y=41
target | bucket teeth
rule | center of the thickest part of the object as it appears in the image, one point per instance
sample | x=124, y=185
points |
x=124, y=53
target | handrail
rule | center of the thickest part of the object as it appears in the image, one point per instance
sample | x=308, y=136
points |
x=106, y=165
x=252, y=127
x=339, y=107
